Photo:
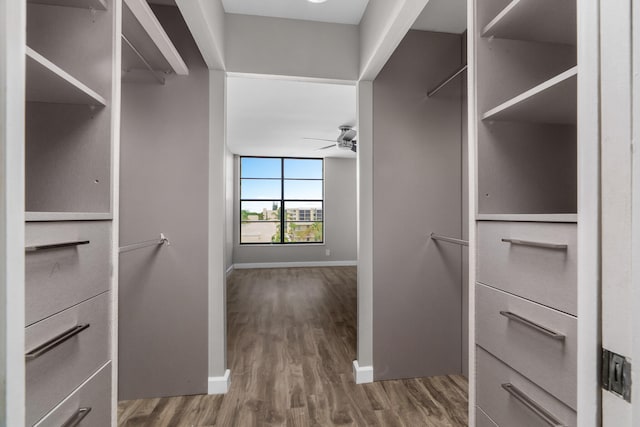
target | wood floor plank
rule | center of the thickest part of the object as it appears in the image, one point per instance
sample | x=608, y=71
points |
x=291, y=340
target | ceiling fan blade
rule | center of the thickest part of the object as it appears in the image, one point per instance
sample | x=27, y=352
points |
x=324, y=148
x=349, y=134
x=320, y=139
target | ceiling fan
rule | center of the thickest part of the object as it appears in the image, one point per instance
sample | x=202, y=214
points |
x=345, y=140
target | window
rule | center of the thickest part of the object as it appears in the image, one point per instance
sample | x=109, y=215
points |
x=281, y=200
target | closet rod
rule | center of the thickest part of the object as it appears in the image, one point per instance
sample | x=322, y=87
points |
x=144, y=61
x=435, y=236
x=156, y=242
x=446, y=81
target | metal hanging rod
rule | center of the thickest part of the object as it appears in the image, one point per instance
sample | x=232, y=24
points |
x=158, y=77
x=446, y=81
x=435, y=236
x=156, y=242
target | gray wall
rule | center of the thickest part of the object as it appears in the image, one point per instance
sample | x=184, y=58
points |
x=164, y=187
x=289, y=47
x=340, y=223
x=417, y=184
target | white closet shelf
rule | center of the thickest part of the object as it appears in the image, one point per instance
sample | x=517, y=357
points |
x=145, y=33
x=46, y=82
x=553, y=101
x=528, y=217
x=552, y=21
x=83, y=4
x=67, y=216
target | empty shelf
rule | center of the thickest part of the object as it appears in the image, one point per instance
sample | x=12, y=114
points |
x=554, y=101
x=67, y=216
x=145, y=33
x=84, y=4
x=528, y=217
x=46, y=82
x=551, y=21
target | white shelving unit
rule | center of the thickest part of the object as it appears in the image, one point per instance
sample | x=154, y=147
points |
x=553, y=101
x=550, y=21
x=46, y=82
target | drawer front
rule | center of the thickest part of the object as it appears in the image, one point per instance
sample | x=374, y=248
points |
x=52, y=375
x=529, y=338
x=518, y=407
x=482, y=420
x=58, y=278
x=90, y=404
x=542, y=274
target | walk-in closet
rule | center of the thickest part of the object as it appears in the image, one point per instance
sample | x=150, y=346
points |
x=319, y=212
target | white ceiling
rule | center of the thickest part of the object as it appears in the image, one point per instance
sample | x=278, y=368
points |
x=269, y=117
x=336, y=11
x=445, y=16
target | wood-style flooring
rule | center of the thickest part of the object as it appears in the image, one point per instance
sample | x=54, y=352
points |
x=291, y=341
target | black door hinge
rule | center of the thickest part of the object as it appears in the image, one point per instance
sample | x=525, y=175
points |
x=616, y=374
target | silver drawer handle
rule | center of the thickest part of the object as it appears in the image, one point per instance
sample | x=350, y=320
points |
x=548, y=332
x=533, y=406
x=77, y=418
x=56, y=246
x=55, y=341
x=561, y=246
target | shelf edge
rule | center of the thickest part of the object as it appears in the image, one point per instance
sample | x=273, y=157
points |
x=572, y=72
x=65, y=76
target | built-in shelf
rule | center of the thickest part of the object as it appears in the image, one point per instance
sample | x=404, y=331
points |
x=528, y=217
x=552, y=21
x=554, y=101
x=84, y=4
x=147, y=39
x=67, y=216
x=46, y=82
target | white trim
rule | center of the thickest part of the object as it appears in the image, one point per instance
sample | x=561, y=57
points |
x=589, y=268
x=362, y=374
x=116, y=96
x=250, y=265
x=220, y=385
x=230, y=269
x=12, y=187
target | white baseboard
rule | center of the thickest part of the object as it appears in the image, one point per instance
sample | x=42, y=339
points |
x=249, y=265
x=220, y=385
x=230, y=270
x=362, y=374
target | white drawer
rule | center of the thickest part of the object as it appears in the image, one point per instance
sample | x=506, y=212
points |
x=88, y=406
x=537, y=341
x=520, y=258
x=54, y=368
x=57, y=278
x=511, y=400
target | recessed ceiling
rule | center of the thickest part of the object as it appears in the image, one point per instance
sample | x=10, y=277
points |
x=269, y=117
x=444, y=16
x=336, y=11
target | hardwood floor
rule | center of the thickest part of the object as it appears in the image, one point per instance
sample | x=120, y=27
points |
x=292, y=338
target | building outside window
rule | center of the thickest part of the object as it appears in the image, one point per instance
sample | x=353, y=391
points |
x=281, y=200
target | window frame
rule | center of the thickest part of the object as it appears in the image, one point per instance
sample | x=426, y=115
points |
x=283, y=201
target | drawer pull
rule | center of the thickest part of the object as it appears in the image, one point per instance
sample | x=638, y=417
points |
x=77, y=418
x=533, y=406
x=548, y=332
x=560, y=246
x=55, y=341
x=56, y=246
